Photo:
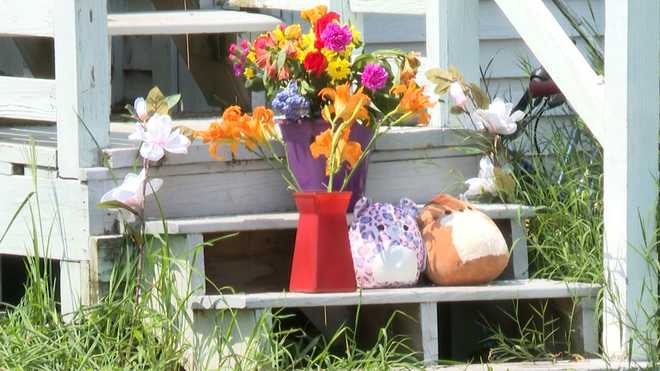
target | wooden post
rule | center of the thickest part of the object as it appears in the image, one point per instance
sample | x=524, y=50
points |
x=630, y=171
x=428, y=322
x=452, y=38
x=74, y=286
x=83, y=84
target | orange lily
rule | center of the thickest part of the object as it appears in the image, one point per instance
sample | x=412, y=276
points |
x=413, y=100
x=345, y=106
x=346, y=150
x=257, y=128
x=218, y=133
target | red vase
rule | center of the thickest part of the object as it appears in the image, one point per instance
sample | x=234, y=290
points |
x=322, y=260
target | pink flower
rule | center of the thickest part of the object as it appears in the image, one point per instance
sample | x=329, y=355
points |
x=159, y=138
x=133, y=191
x=374, y=76
x=336, y=37
x=457, y=94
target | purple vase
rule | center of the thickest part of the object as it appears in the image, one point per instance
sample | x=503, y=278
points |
x=310, y=172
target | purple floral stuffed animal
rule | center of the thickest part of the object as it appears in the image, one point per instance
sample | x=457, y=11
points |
x=386, y=244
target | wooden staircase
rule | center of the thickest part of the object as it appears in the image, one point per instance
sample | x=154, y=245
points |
x=431, y=306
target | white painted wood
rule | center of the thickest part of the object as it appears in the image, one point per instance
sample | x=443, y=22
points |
x=74, y=287
x=277, y=4
x=452, y=38
x=83, y=84
x=188, y=22
x=63, y=206
x=417, y=7
x=630, y=143
x=210, y=348
x=428, y=322
x=568, y=68
x=258, y=222
x=26, y=18
x=498, y=290
x=519, y=249
x=20, y=154
x=27, y=98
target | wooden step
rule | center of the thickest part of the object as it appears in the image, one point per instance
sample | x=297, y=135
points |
x=497, y=290
x=269, y=221
x=249, y=310
x=188, y=22
x=581, y=365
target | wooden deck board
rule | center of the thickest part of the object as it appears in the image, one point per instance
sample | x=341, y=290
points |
x=497, y=290
x=257, y=222
x=189, y=22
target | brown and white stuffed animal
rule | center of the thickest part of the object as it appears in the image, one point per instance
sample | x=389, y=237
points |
x=464, y=246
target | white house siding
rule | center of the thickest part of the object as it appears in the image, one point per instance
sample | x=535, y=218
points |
x=499, y=41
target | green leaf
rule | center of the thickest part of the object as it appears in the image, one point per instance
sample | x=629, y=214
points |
x=480, y=97
x=438, y=75
x=156, y=102
x=172, y=100
x=504, y=181
x=113, y=204
x=442, y=87
x=281, y=59
x=456, y=110
x=131, y=110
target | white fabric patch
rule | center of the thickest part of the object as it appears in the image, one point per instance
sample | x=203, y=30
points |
x=395, y=264
x=474, y=235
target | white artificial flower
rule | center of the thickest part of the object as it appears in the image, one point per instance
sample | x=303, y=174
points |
x=498, y=118
x=132, y=191
x=457, y=94
x=159, y=138
x=485, y=180
x=140, y=106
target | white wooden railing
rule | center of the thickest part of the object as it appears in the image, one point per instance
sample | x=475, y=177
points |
x=77, y=98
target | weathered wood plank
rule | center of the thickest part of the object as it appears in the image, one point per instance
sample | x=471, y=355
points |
x=188, y=22
x=498, y=290
x=277, y=4
x=83, y=84
x=74, y=287
x=388, y=6
x=63, y=206
x=26, y=18
x=428, y=322
x=257, y=222
x=452, y=39
x=630, y=165
x=27, y=98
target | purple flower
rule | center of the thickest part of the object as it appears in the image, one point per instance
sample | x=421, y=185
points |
x=335, y=37
x=238, y=69
x=290, y=103
x=374, y=76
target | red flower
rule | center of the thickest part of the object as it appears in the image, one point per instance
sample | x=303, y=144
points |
x=320, y=26
x=315, y=63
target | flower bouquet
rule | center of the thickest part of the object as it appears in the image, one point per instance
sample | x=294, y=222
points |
x=490, y=125
x=334, y=105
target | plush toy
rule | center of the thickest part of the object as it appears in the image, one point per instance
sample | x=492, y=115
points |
x=386, y=244
x=464, y=245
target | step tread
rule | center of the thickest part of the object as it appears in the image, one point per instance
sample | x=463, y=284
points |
x=497, y=290
x=269, y=221
x=587, y=364
x=188, y=22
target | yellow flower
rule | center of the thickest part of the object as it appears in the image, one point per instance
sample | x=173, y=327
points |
x=292, y=32
x=252, y=57
x=357, y=36
x=248, y=73
x=306, y=45
x=278, y=36
x=338, y=69
x=312, y=15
